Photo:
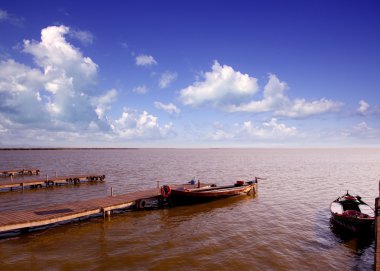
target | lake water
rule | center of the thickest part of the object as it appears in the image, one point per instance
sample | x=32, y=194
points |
x=285, y=226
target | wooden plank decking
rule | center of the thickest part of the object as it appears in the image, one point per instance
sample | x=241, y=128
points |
x=68, y=211
x=14, y=172
x=46, y=182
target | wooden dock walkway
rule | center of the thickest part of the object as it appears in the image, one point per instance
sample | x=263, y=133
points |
x=23, y=220
x=21, y=172
x=49, y=182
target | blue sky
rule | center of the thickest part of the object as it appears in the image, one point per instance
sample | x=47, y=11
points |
x=189, y=73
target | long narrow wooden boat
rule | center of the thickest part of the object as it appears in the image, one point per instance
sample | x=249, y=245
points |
x=194, y=195
x=352, y=213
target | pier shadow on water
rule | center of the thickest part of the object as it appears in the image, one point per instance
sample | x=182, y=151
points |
x=360, y=245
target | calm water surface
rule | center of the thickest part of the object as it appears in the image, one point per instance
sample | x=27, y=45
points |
x=285, y=227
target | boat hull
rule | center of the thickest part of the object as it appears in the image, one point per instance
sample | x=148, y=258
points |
x=354, y=225
x=185, y=196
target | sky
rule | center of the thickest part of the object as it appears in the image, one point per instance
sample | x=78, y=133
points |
x=187, y=74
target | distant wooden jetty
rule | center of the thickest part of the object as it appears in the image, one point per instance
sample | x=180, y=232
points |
x=50, y=215
x=49, y=182
x=15, y=172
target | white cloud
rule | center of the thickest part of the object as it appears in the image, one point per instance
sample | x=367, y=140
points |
x=85, y=37
x=169, y=108
x=58, y=57
x=67, y=75
x=20, y=99
x=141, y=89
x=132, y=125
x=145, y=60
x=221, y=85
x=274, y=100
x=273, y=97
x=167, y=78
x=53, y=99
x=280, y=129
x=268, y=130
x=301, y=108
x=363, y=107
x=103, y=103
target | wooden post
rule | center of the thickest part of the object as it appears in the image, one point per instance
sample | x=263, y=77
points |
x=11, y=178
x=56, y=174
x=47, y=178
x=111, y=191
x=106, y=214
x=22, y=187
x=158, y=184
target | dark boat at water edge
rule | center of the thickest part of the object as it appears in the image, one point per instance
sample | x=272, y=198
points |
x=352, y=214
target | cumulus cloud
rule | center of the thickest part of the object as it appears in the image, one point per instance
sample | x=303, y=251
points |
x=219, y=86
x=145, y=60
x=20, y=99
x=275, y=100
x=55, y=97
x=133, y=125
x=167, y=78
x=228, y=90
x=273, y=97
x=59, y=58
x=103, y=103
x=169, y=108
x=67, y=75
x=363, y=107
x=140, y=89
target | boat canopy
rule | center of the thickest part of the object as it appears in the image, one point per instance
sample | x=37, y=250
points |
x=365, y=209
x=337, y=208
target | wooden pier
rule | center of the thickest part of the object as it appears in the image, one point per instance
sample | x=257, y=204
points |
x=21, y=172
x=49, y=182
x=23, y=220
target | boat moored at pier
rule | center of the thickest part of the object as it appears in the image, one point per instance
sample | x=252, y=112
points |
x=352, y=213
x=185, y=195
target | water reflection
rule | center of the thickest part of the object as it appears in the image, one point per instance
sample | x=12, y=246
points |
x=357, y=243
